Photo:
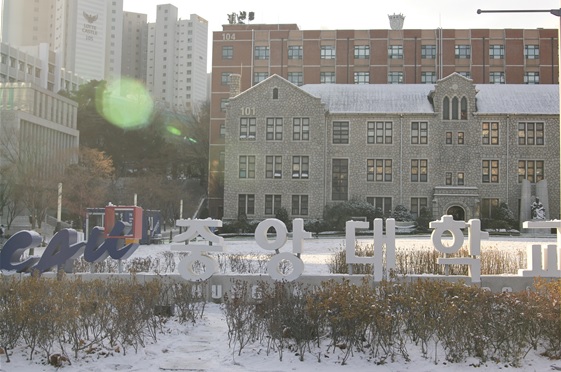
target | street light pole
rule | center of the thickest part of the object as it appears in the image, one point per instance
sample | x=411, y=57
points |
x=557, y=13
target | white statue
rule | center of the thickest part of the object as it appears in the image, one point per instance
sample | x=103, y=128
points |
x=538, y=210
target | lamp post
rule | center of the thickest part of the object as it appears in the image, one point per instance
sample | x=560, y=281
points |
x=555, y=12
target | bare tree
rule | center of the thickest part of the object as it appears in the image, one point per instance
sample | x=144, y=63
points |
x=86, y=183
x=32, y=169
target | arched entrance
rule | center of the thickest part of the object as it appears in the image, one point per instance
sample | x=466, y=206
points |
x=457, y=212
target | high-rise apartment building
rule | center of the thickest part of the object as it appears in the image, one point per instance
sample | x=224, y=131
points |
x=255, y=52
x=135, y=42
x=177, y=60
x=87, y=33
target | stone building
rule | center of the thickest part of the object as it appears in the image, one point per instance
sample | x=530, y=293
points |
x=454, y=147
x=376, y=56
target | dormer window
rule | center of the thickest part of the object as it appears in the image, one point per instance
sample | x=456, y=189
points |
x=458, y=111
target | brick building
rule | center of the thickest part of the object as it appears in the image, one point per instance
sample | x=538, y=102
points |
x=502, y=56
x=455, y=147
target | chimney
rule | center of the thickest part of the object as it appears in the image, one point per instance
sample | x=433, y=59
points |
x=235, y=81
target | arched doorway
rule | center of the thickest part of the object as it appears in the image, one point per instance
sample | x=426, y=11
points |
x=457, y=212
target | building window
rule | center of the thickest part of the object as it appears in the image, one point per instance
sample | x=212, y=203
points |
x=340, y=132
x=327, y=78
x=300, y=129
x=465, y=74
x=227, y=52
x=446, y=108
x=428, y=77
x=497, y=77
x=531, y=78
x=272, y=204
x=395, y=78
x=225, y=78
x=532, y=51
x=419, y=170
x=246, y=204
x=379, y=132
x=340, y=177
x=327, y=52
x=490, y=171
x=530, y=133
x=295, y=78
x=459, y=108
x=532, y=170
x=295, y=52
x=416, y=205
x=247, y=128
x=490, y=133
x=275, y=93
x=428, y=51
x=464, y=108
x=448, y=138
x=462, y=51
x=488, y=206
x=460, y=138
x=395, y=51
x=496, y=51
x=419, y=133
x=362, y=51
x=384, y=203
x=259, y=77
x=448, y=178
x=247, y=166
x=299, y=205
x=261, y=52
x=273, y=166
x=361, y=77
x=274, y=129
x=222, y=130
x=223, y=104
x=379, y=170
x=300, y=167
x=460, y=178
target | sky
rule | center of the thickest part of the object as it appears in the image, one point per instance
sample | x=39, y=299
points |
x=360, y=14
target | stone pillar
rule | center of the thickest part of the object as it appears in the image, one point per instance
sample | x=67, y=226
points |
x=235, y=84
x=525, y=202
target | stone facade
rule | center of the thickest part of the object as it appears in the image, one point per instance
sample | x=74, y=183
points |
x=453, y=147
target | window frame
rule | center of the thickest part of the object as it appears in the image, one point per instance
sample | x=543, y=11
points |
x=340, y=133
x=419, y=170
x=531, y=136
x=261, y=52
x=327, y=52
x=490, y=136
x=301, y=129
x=490, y=171
x=340, y=179
x=420, y=135
x=379, y=170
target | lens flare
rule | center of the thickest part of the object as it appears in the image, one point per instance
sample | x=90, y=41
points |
x=125, y=103
x=173, y=130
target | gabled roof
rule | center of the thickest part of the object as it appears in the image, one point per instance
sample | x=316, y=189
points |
x=517, y=99
x=414, y=98
x=373, y=98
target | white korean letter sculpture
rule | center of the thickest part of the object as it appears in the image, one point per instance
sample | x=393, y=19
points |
x=194, y=229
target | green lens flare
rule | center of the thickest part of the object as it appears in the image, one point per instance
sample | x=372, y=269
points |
x=125, y=103
x=173, y=130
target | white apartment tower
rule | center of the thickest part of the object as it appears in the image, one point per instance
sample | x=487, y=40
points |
x=87, y=33
x=135, y=40
x=177, y=60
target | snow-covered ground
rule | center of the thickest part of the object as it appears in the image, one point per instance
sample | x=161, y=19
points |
x=204, y=346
